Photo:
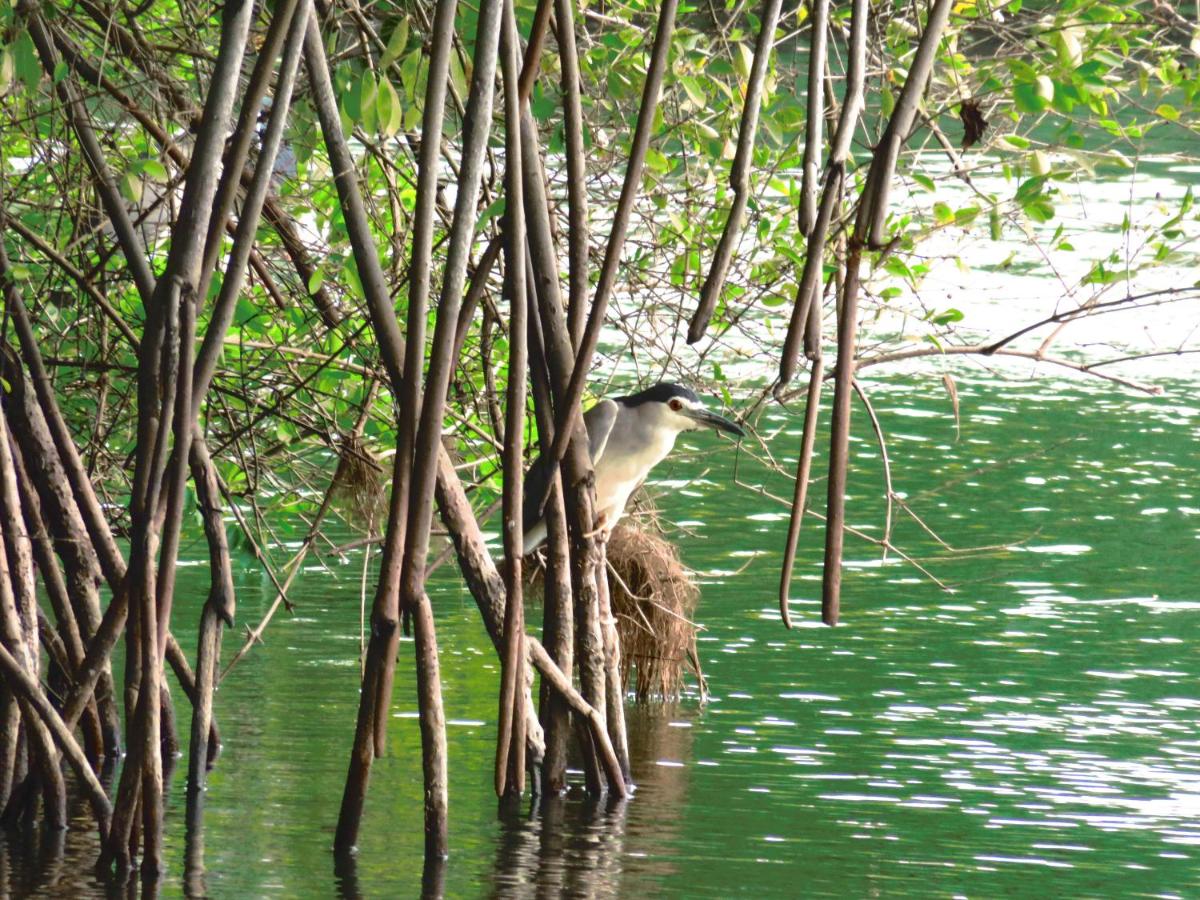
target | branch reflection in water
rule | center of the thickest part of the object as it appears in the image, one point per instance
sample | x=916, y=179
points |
x=572, y=846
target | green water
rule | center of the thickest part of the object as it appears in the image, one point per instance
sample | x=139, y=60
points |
x=1034, y=730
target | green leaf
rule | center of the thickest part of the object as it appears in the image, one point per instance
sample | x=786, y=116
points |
x=1034, y=96
x=131, y=187
x=153, y=169
x=1070, y=50
x=496, y=208
x=25, y=61
x=396, y=44
x=459, y=76
x=350, y=276
x=410, y=75
x=691, y=87
x=887, y=101
x=388, y=111
x=924, y=181
x=995, y=224
x=656, y=162
x=1040, y=210
x=351, y=101
x=1092, y=72
x=1030, y=189
x=245, y=312
x=1168, y=112
x=368, y=92
x=743, y=60
x=543, y=106
x=966, y=215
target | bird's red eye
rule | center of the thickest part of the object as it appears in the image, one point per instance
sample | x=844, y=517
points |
x=676, y=405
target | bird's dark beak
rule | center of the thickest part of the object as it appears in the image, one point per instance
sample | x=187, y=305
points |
x=712, y=420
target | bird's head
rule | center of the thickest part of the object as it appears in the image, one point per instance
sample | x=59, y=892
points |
x=677, y=407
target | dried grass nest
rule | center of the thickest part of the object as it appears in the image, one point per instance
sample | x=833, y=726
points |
x=654, y=601
x=358, y=484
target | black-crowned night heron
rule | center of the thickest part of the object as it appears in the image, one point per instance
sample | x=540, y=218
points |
x=627, y=437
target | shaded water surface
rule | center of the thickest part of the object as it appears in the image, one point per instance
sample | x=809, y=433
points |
x=1034, y=729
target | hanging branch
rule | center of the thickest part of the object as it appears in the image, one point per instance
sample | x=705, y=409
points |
x=889, y=493
x=385, y=623
x=476, y=128
x=385, y=613
x=805, y=329
x=510, y=737
x=577, y=468
x=408, y=391
x=141, y=776
x=176, y=476
x=868, y=231
x=800, y=494
x=558, y=629
x=556, y=349
x=739, y=174
x=158, y=357
x=218, y=607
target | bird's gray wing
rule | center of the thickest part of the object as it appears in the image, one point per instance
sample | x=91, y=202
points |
x=536, y=482
x=599, y=423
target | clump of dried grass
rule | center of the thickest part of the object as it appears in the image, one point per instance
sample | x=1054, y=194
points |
x=358, y=484
x=654, y=601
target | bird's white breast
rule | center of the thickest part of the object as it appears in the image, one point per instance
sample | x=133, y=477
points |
x=618, y=474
